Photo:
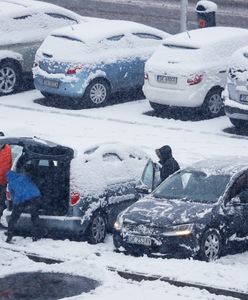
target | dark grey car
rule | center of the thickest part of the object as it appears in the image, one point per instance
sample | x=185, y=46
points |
x=199, y=211
x=82, y=190
x=24, y=25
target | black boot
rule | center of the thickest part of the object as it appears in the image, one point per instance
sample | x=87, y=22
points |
x=9, y=237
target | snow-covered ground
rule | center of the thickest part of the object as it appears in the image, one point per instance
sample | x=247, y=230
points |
x=190, y=141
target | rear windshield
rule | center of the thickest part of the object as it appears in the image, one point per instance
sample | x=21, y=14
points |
x=67, y=38
x=182, y=53
x=180, y=47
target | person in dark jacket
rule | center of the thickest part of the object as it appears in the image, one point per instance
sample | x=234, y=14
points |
x=24, y=193
x=5, y=166
x=168, y=164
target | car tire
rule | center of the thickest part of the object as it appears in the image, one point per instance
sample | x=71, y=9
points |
x=213, y=105
x=10, y=78
x=97, y=93
x=158, y=108
x=97, y=228
x=211, y=245
x=239, y=123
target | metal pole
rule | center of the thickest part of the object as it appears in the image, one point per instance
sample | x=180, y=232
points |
x=183, y=18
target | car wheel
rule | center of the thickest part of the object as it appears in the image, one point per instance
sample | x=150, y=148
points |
x=159, y=108
x=97, y=229
x=210, y=247
x=213, y=103
x=239, y=123
x=97, y=93
x=9, y=78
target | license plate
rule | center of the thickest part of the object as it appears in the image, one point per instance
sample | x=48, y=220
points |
x=51, y=83
x=167, y=79
x=243, y=98
x=139, y=240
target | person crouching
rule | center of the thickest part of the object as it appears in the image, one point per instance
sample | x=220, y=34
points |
x=24, y=193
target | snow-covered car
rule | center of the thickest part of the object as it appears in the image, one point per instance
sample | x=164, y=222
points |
x=197, y=212
x=82, y=190
x=189, y=69
x=24, y=24
x=89, y=62
x=236, y=92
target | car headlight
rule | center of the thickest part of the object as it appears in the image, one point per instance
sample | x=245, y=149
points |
x=118, y=223
x=179, y=230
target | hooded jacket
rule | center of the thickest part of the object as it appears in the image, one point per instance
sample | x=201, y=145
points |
x=5, y=163
x=21, y=188
x=167, y=161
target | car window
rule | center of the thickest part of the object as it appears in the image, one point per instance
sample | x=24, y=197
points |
x=150, y=36
x=111, y=157
x=148, y=175
x=22, y=17
x=193, y=186
x=238, y=186
x=59, y=16
x=115, y=37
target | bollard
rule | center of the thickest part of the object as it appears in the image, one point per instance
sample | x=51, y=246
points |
x=206, y=13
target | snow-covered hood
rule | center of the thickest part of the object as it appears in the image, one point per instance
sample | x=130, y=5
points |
x=163, y=212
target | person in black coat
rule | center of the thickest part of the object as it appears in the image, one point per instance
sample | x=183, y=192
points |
x=168, y=164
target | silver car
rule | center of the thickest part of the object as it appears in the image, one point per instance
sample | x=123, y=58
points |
x=24, y=24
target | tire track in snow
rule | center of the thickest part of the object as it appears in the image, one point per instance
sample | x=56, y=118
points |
x=115, y=120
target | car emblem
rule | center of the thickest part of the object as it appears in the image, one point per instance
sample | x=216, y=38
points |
x=143, y=229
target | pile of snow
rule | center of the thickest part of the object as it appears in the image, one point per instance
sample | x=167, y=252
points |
x=208, y=6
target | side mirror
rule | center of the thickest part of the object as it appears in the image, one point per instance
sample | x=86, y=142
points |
x=234, y=201
x=243, y=196
x=143, y=189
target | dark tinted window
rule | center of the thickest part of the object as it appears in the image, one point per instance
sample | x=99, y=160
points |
x=116, y=37
x=59, y=16
x=111, y=157
x=143, y=35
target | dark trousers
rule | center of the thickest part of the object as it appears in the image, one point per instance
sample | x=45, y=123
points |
x=18, y=209
x=2, y=199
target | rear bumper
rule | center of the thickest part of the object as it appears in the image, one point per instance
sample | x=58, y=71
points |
x=61, y=226
x=68, y=86
x=191, y=97
x=176, y=247
x=236, y=110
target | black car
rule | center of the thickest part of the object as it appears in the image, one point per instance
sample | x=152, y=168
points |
x=83, y=190
x=197, y=212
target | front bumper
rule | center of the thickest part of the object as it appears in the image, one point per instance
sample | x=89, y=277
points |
x=176, y=247
x=236, y=110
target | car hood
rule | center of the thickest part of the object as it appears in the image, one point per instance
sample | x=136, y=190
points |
x=162, y=212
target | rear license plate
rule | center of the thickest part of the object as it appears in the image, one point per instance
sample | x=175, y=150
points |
x=167, y=79
x=51, y=83
x=243, y=98
x=139, y=240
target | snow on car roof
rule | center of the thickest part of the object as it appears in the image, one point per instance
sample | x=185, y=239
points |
x=94, y=168
x=99, y=29
x=199, y=38
x=17, y=8
x=224, y=165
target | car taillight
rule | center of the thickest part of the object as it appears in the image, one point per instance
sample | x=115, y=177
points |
x=75, y=197
x=146, y=77
x=74, y=69
x=8, y=196
x=195, y=78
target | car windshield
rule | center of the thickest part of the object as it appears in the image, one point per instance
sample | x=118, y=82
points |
x=193, y=186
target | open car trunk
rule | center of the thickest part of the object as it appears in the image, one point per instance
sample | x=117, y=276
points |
x=48, y=165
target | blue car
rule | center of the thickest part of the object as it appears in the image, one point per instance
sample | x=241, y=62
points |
x=89, y=62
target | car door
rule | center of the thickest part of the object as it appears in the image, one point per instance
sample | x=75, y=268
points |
x=236, y=212
x=150, y=178
x=117, y=67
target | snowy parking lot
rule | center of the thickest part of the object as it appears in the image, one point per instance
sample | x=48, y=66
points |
x=23, y=115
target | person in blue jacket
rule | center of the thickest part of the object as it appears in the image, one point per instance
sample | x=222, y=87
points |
x=24, y=193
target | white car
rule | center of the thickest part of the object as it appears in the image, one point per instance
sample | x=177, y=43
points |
x=24, y=24
x=189, y=69
x=236, y=92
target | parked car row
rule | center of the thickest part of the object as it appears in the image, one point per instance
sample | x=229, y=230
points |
x=200, y=211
